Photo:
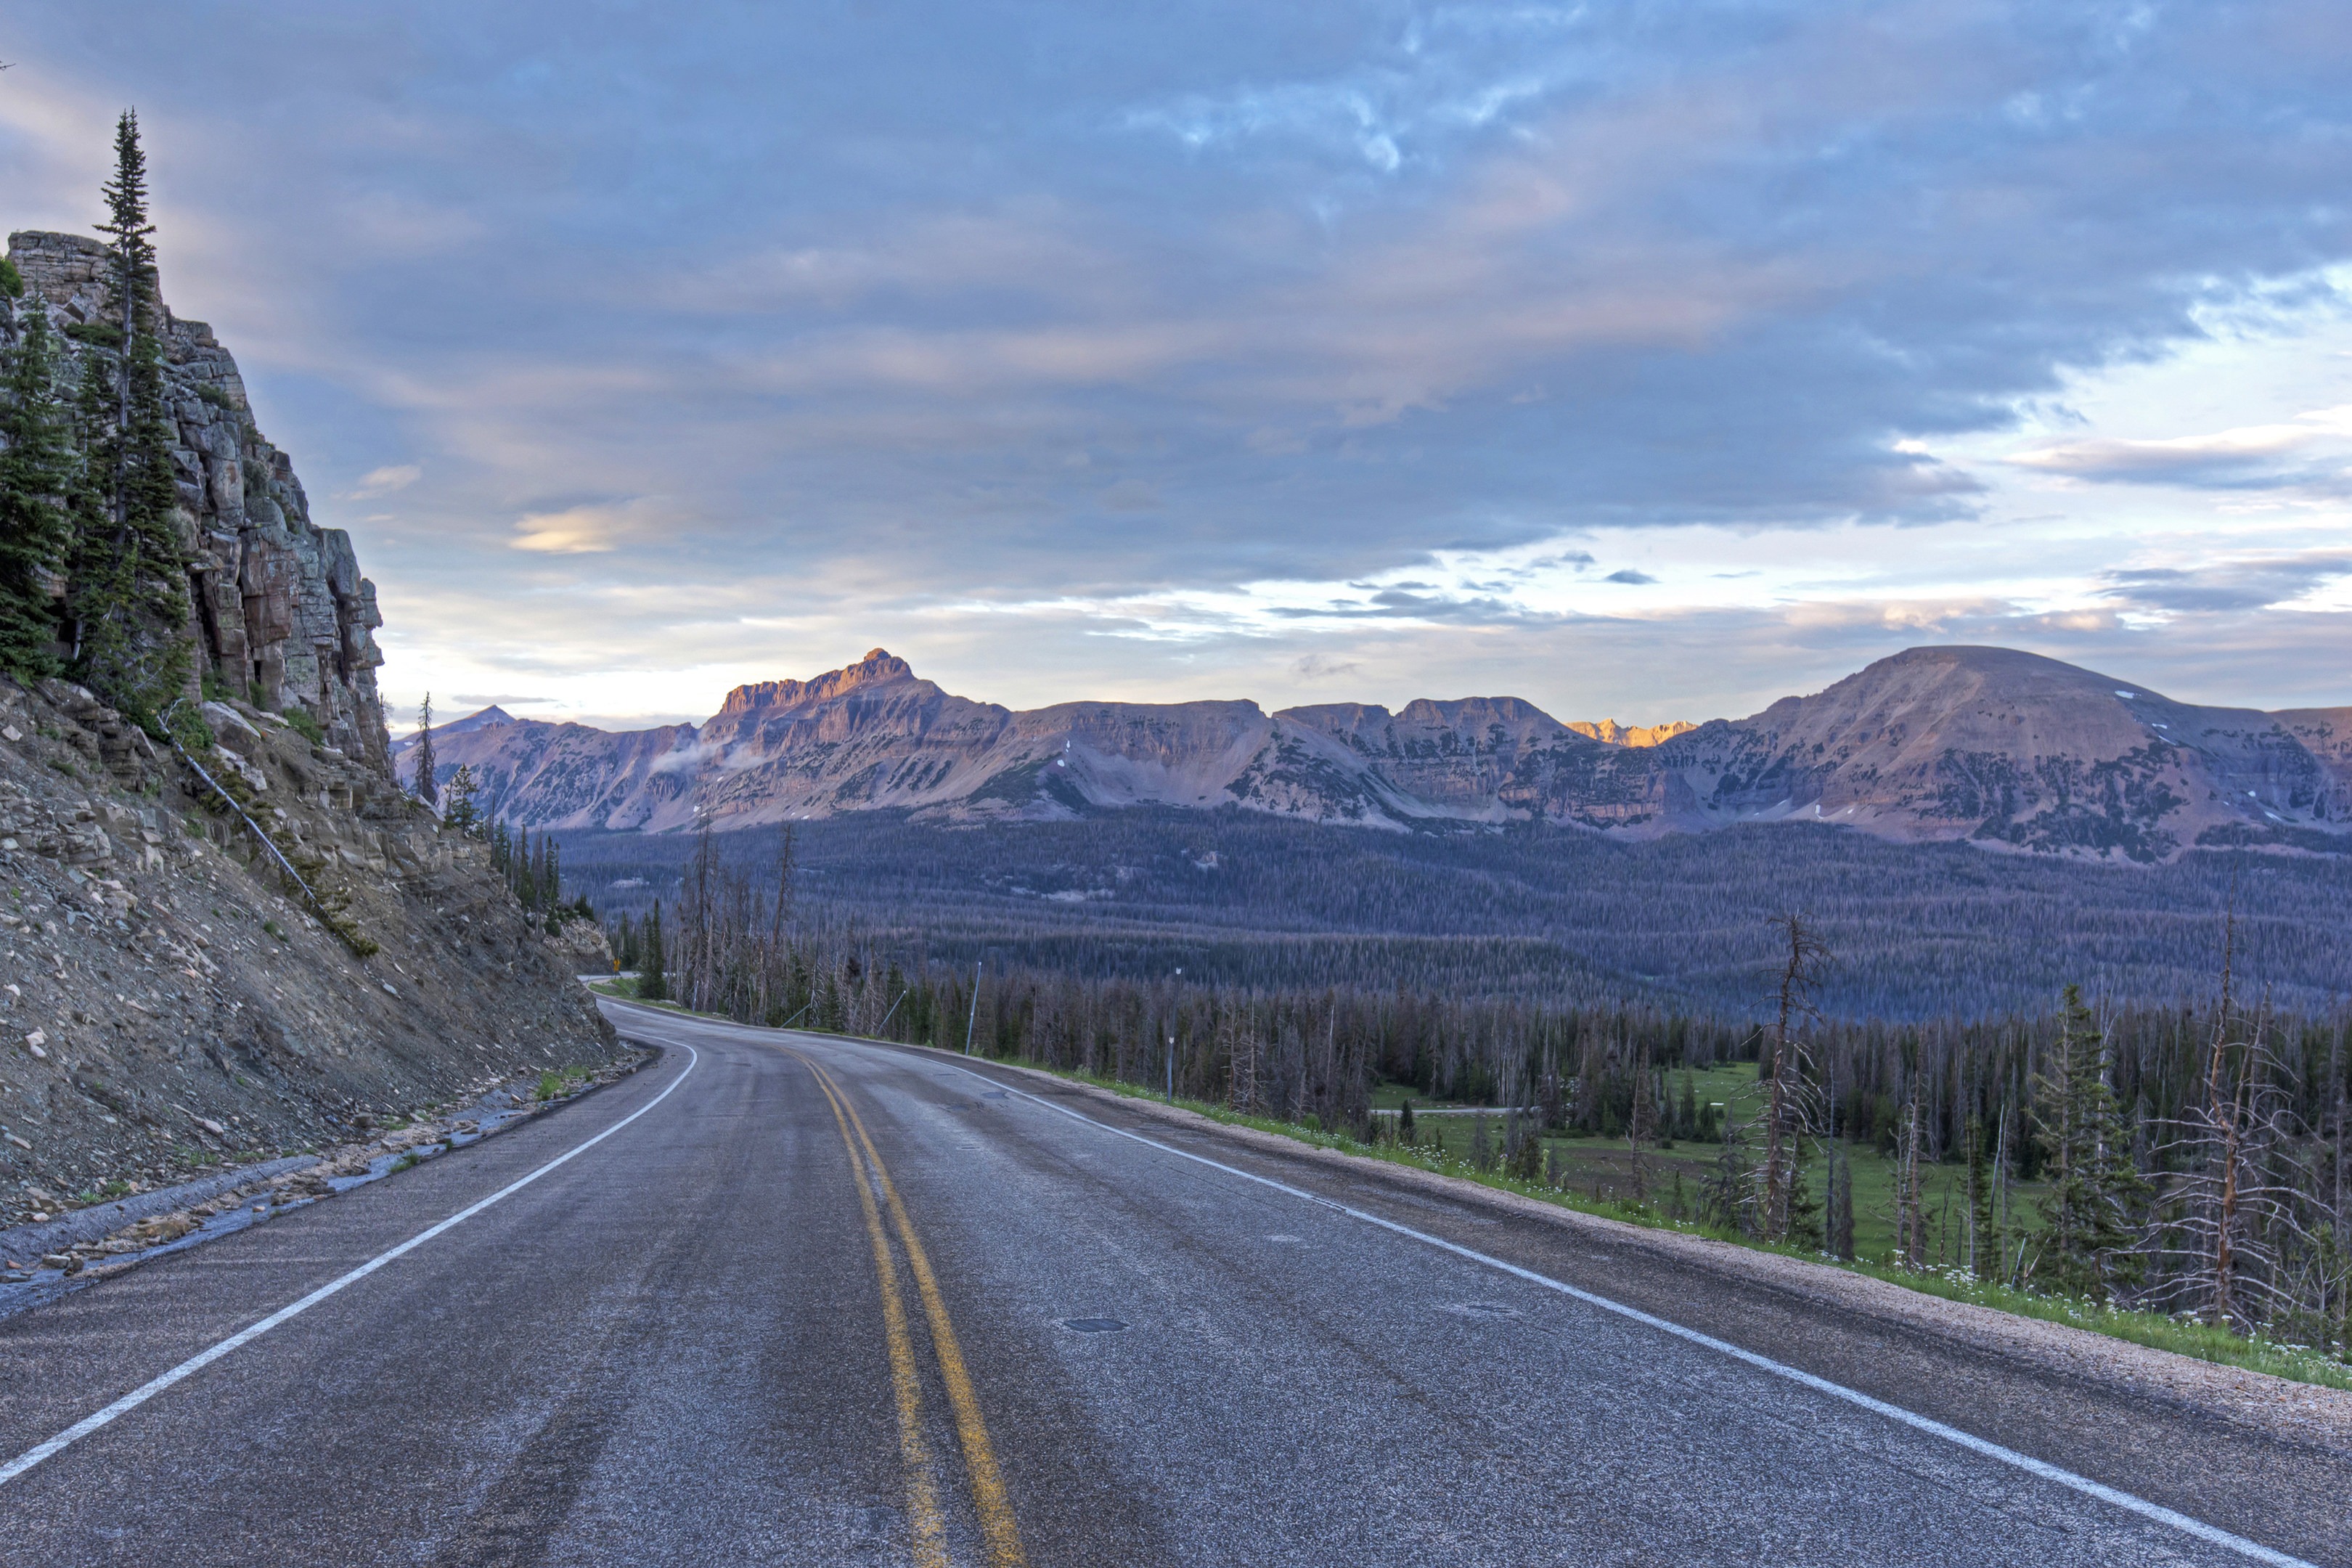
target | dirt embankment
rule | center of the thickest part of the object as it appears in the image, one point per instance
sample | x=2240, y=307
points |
x=170, y=1002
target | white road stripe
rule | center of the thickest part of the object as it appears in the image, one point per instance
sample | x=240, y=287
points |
x=202, y=1358
x=2212, y=1534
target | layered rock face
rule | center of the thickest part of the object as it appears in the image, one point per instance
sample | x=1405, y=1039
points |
x=281, y=613
x=2004, y=748
x=1617, y=734
x=174, y=999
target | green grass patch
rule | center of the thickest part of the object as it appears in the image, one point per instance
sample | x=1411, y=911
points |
x=561, y=1082
x=2298, y=1363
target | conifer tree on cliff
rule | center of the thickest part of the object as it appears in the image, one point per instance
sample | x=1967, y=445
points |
x=128, y=594
x=35, y=469
x=427, y=789
x=460, y=806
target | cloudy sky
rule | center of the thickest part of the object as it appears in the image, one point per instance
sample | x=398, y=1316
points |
x=1646, y=360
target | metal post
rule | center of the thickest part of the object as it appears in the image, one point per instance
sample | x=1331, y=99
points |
x=974, y=1020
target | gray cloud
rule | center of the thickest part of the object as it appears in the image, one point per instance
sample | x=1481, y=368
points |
x=1628, y=574
x=1321, y=667
x=2248, y=585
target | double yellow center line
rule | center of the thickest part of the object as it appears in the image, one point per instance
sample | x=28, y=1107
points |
x=997, y=1528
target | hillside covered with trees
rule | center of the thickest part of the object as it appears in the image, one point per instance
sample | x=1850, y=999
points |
x=1536, y=915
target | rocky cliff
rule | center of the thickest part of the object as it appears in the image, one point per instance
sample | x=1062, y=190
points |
x=1617, y=734
x=265, y=945
x=281, y=615
x=2006, y=749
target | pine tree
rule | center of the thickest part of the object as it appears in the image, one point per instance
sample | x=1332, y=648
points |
x=653, y=983
x=428, y=788
x=34, y=473
x=128, y=594
x=2092, y=1185
x=459, y=807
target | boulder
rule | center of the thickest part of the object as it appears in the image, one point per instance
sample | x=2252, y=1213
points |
x=232, y=729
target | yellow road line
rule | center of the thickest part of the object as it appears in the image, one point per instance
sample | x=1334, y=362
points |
x=931, y=1546
x=997, y=1521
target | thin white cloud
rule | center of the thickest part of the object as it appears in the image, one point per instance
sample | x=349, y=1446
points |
x=2178, y=456
x=592, y=529
x=384, y=481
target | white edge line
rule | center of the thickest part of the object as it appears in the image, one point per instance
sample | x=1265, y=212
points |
x=204, y=1358
x=2212, y=1534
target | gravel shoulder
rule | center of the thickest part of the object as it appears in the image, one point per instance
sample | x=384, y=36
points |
x=45, y=1260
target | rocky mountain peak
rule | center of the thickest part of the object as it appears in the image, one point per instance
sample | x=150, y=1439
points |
x=878, y=666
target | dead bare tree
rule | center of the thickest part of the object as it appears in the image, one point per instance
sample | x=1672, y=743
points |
x=1789, y=1095
x=1239, y=1045
x=1910, y=1226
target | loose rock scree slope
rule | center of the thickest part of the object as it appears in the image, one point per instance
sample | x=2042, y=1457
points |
x=171, y=1004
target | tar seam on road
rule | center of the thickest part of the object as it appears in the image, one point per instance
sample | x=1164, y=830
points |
x=997, y=1521
x=929, y=1549
x=202, y=1358
x=2212, y=1534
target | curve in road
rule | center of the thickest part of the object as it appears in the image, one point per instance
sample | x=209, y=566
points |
x=791, y=1299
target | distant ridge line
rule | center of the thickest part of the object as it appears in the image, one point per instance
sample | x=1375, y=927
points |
x=1998, y=747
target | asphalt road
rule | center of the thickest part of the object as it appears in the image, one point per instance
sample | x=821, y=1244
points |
x=803, y=1300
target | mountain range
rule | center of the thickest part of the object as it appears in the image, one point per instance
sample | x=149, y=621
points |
x=1996, y=746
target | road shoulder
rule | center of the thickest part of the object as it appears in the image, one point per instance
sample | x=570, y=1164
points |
x=2305, y=1415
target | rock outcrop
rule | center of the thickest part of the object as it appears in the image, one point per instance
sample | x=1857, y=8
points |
x=2006, y=749
x=265, y=945
x=1617, y=734
x=282, y=613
